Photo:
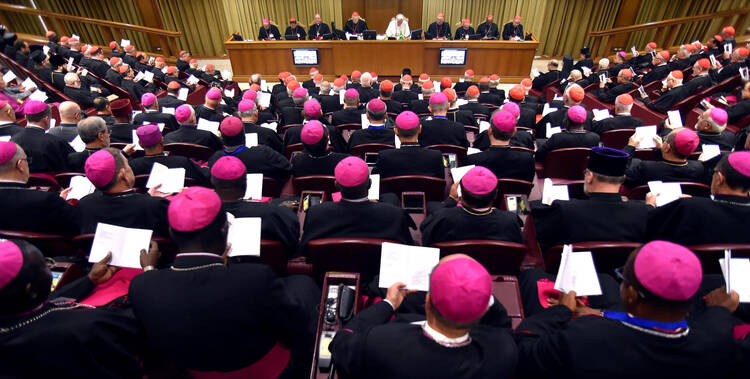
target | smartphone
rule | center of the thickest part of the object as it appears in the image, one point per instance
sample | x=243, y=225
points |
x=56, y=275
x=642, y=91
x=309, y=201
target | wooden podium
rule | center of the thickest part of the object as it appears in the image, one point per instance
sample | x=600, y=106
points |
x=510, y=59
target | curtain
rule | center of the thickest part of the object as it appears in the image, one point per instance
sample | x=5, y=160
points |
x=570, y=22
x=654, y=10
x=202, y=23
x=123, y=11
x=246, y=16
x=21, y=22
x=560, y=26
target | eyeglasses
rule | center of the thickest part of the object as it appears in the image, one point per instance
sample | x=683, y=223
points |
x=27, y=159
x=620, y=272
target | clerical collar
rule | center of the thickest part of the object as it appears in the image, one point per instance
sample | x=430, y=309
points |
x=477, y=212
x=673, y=163
x=360, y=200
x=604, y=196
x=34, y=126
x=195, y=261
x=376, y=126
x=673, y=330
x=442, y=340
x=742, y=201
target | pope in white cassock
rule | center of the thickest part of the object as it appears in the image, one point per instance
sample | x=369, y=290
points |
x=398, y=28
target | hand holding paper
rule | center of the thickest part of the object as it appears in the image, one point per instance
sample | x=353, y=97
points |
x=244, y=235
x=124, y=243
x=577, y=273
x=408, y=264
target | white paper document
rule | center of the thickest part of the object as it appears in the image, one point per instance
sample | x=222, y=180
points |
x=211, y=126
x=148, y=76
x=633, y=50
x=38, y=95
x=28, y=84
x=534, y=72
x=666, y=192
x=244, y=235
x=547, y=109
x=182, y=94
x=675, y=120
x=264, y=99
x=552, y=130
x=552, y=192
x=70, y=64
x=124, y=243
x=646, y=134
x=136, y=140
x=712, y=58
x=737, y=276
x=139, y=76
x=77, y=144
x=709, y=151
x=45, y=49
x=601, y=114
x=408, y=264
x=586, y=70
x=263, y=85
x=374, y=192
x=365, y=121
x=191, y=79
x=458, y=172
x=472, y=150
x=251, y=139
x=10, y=75
x=124, y=42
x=483, y=125
x=728, y=48
x=80, y=186
x=420, y=96
x=577, y=273
x=254, y=190
x=168, y=110
x=227, y=76
x=172, y=180
x=229, y=92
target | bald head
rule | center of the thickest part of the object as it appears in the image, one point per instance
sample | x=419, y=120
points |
x=325, y=87
x=366, y=79
x=69, y=112
x=93, y=129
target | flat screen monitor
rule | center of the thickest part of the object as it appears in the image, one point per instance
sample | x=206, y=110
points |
x=305, y=57
x=450, y=56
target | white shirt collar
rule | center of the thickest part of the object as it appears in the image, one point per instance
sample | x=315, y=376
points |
x=442, y=339
x=5, y=122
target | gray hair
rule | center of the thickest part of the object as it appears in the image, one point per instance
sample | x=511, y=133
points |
x=89, y=128
x=249, y=112
x=70, y=78
x=604, y=63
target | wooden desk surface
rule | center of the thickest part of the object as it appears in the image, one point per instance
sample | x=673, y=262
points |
x=510, y=59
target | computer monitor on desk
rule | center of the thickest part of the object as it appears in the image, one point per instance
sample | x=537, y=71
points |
x=369, y=35
x=416, y=34
x=291, y=37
